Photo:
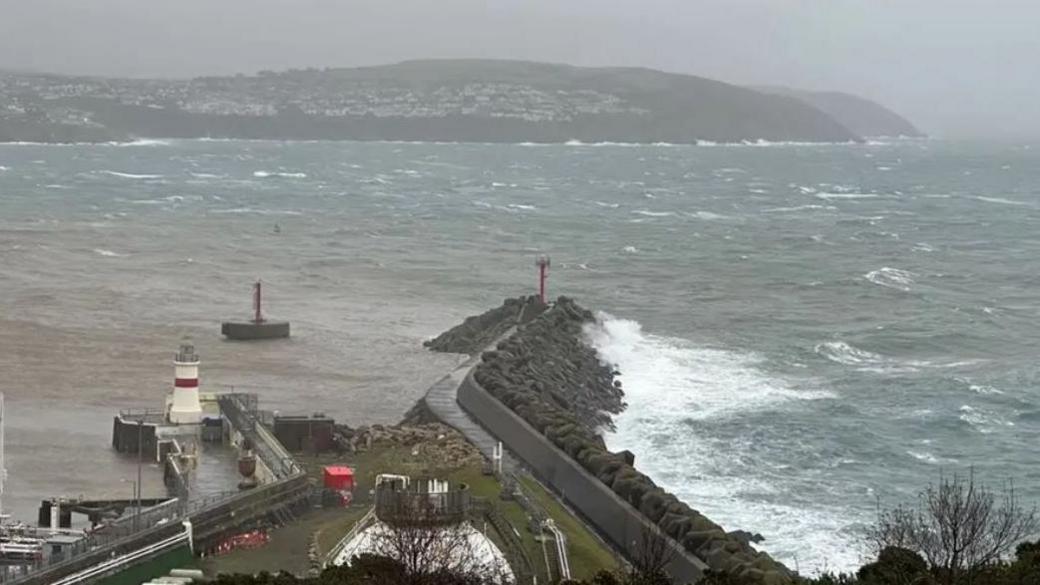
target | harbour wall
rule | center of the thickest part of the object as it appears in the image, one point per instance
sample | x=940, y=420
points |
x=623, y=525
x=211, y=518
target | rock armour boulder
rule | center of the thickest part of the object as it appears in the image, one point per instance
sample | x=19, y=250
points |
x=549, y=376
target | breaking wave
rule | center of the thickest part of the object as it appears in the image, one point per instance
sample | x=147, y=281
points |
x=983, y=421
x=286, y=175
x=654, y=213
x=1002, y=201
x=846, y=354
x=129, y=175
x=891, y=278
x=253, y=211
x=142, y=142
x=829, y=196
x=108, y=253
x=674, y=388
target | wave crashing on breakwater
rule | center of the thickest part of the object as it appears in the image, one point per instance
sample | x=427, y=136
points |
x=680, y=396
x=550, y=375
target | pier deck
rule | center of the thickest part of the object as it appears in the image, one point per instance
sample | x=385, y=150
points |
x=442, y=400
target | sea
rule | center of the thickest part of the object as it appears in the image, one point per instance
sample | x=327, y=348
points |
x=804, y=332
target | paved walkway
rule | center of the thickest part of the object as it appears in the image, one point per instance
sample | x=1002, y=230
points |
x=442, y=399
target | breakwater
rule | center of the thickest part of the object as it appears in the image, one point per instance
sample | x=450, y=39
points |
x=478, y=331
x=545, y=394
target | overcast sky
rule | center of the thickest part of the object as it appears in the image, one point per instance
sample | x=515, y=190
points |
x=954, y=67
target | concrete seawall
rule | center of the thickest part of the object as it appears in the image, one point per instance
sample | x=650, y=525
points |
x=615, y=518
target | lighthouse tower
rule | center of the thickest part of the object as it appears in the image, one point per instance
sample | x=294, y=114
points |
x=185, y=408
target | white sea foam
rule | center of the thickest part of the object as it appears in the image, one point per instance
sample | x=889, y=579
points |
x=254, y=211
x=1002, y=201
x=521, y=207
x=707, y=215
x=607, y=205
x=849, y=355
x=983, y=421
x=671, y=384
x=984, y=389
x=129, y=175
x=843, y=195
x=654, y=213
x=143, y=142
x=207, y=176
x=286, y=175
x=891, y=278
x=630, y=250
x=929, y=458
x=796, y=208
x=846, y=354
x=712, y=382
x=107, y=253
x=612, y=143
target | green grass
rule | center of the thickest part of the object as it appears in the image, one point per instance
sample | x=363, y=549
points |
x=289, y=544
x=587, y=553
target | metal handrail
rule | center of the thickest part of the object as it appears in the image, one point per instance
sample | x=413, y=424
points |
x=342, y=544
x=100, y=569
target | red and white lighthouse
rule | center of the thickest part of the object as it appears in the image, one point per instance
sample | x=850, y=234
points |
x=185, y=407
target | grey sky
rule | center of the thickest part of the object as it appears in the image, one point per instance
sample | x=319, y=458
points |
x=954, y=67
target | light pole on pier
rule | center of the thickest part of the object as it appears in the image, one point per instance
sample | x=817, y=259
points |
x=140, y=448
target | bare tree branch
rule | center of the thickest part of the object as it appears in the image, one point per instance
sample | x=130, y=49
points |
x=959, y=526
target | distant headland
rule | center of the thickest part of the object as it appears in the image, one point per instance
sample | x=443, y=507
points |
x=434, y=100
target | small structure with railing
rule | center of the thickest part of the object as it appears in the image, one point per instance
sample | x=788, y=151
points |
x=431, y=502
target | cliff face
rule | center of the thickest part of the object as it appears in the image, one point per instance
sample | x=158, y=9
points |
x=449, y=100
x=862, y=116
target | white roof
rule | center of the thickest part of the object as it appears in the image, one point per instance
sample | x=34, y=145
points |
x=479, y=549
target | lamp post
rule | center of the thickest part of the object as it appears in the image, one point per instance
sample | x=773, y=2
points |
x=140, y=448
x=133, y=498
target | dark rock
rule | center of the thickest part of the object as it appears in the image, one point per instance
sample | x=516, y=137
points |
x=477, y=332
x=746, y=537
x=629, y=457
x=549, y=376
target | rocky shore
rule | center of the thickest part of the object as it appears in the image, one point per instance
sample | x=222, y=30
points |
x=477, y=332
x=439, y=445
x=546, y=367
x=548, y=375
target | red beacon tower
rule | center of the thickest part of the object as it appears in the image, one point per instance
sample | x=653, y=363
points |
x=543, y=274
x=258, y=327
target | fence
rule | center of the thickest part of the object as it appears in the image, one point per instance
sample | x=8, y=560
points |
x=242, y=411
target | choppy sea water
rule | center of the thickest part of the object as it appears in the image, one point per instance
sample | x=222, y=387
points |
x=802, y=330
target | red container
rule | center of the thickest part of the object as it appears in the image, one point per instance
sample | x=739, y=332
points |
x=339, y=478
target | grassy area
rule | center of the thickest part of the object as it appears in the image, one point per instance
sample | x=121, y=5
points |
x=287, y=550
x=587, y=553
x=289, y=545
